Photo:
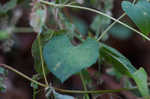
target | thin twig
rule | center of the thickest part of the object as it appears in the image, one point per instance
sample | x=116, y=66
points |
x=42, y=61
x=96, y=11
x=23, y=75
x=84, y=85
x=110, y=26
x=68, y=91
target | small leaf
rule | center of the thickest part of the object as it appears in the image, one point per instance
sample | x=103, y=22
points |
x=100, y=23
x=120, y=32
x=140, y=78
x=80, y=25
x=121, y=63
x=34, y=85
x=61, y=96
x=139, y=13
x=63, y=59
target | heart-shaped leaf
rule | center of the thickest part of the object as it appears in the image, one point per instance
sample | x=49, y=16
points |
x=44, y=38
x=139, y=13
x=63, y=59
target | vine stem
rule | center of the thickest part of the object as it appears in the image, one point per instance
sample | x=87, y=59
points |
x=64, y=90
x=23, y=75
x=84, y=85
x=110, y=26
x=96, y=11
x=42, y=61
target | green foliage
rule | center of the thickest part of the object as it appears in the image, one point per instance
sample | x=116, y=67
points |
x=63, y=59
x=80, y=25
x=123, y=65
x=120, y=32
x=2, y=70
x=45, y=37
x=86, y=75
x=8, y=6
x=112, y=56
x=3, y=74
x=4, y=34
x=140, y=78
x=139, y=13
x=100, y=23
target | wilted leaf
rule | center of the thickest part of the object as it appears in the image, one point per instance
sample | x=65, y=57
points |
x=63, y=59
x=38, y=18
x=139, y=13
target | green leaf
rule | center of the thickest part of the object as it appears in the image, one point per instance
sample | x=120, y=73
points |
x=45, y=37
x=87, y=77
x=121, y=63
x=2, y=85
x=8, y=6
x=139, y=13
x=63, y=59
x=140, y=78
x=80, y=25
x=3, y=74
x=100, y=23
x=34, y=85
x=2, y=70
x=120, y=32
